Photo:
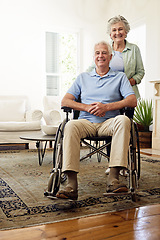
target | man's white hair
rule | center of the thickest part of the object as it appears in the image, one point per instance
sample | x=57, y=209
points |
x=106, y=44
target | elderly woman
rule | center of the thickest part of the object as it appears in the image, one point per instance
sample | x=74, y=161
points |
x=126, y=56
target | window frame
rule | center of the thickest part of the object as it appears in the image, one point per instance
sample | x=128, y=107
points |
x=58, y=91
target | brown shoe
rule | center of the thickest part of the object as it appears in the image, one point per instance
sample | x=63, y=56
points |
x=117, y=187
x=68, y=193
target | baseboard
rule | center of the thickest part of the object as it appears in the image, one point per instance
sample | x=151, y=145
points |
x=14, y=146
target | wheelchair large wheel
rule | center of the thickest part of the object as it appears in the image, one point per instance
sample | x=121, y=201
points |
x=56, y=176
x=54, y=182
x=133, y=163
x=57, y=151
x=138, y=163
x=134, y=186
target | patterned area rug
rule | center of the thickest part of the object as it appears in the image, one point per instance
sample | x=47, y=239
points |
x=23, y=182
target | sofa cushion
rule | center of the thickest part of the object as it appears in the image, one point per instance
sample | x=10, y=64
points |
x=20, y=126
x=52, y=117
x=33, y=115
x=12, y=110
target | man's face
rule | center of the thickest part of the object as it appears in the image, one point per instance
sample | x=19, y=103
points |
x=101, y=55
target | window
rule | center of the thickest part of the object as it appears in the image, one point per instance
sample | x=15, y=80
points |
x=61, y=62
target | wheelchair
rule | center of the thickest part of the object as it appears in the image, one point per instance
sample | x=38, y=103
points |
x=97, y=145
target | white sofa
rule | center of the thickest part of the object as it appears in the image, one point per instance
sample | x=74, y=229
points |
x=17, y=119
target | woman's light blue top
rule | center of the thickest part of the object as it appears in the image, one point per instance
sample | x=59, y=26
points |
x=116, y=63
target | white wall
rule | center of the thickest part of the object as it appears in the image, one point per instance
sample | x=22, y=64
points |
x=22, y=50
x=22, y=37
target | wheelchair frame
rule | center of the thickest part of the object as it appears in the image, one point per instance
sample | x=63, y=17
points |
x=57, y=177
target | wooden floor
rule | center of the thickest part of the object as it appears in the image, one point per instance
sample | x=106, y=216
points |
x=134, y=224
x=139, y=224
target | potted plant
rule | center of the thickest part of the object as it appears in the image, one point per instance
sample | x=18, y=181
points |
x=143, y=116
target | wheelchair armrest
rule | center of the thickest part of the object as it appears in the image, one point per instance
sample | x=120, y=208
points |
x=128, y=111
x=66, y=109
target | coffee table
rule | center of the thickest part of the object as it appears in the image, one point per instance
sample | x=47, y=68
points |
x=39, y=138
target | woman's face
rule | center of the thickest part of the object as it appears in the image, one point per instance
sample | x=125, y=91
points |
x=118, y=32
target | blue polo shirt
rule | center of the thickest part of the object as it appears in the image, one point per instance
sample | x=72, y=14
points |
x=112, y=87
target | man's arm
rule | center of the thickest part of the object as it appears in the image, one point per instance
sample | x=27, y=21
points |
x=99, y=109
x=69, y=101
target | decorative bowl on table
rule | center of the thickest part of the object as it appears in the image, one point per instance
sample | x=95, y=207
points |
x=49, y=129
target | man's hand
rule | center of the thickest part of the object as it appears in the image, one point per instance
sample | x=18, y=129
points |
x=97, y=109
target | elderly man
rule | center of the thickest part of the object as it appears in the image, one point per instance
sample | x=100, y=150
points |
x=103, y=92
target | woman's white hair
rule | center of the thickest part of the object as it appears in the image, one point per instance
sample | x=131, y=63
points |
x=117, y=19
x=106, y=44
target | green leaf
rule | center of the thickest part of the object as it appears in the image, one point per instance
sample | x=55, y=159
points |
x=143, y=113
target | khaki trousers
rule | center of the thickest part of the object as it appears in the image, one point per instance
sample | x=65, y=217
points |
x=118, y=128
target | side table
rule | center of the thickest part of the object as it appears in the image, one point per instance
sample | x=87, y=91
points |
x=39, y=138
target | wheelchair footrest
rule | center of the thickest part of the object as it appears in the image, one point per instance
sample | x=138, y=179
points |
x=52, y=197
x=115, y=194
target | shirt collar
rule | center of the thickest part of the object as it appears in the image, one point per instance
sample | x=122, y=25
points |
x=93, y=73
x=127, y=47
